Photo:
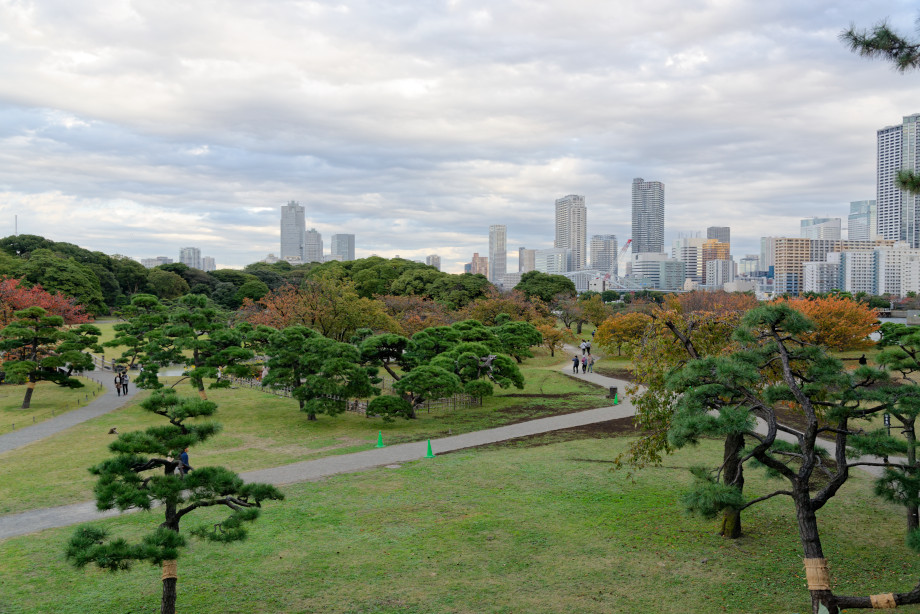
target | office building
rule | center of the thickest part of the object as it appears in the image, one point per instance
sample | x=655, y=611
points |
x=749, y=265
x=191, y=257
x=898, y=213
x=433, y=260
x=713, y=249
x=822, y=277
x=208, y=264
x=553, y=261
x=820, y=228
x=510, y=280
x=293, y=227
x=312, y=246
x=791, y=254
x=862, y=221
x=656, y=271
x=526, y=260
x=479, y=265
x=719, y=271
x=604, y=253
x=767, y=254
x=342, y=247
x=572, y=229
x=647, y=216
x=154, y=262
x=689, y=250
x=498, y=252
x=722, y=234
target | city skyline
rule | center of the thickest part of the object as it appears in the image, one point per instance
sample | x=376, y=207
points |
x=131, y=121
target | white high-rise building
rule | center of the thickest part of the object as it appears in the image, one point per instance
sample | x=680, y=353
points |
x=689, y=250
x=498, y=252
x=554, y=261
x=191, y=257
x=898, y=213
x=572, y=229
x=861, y=225
x=647, y=216
x=526, y=260
x=293, y=227
x=822, y=277
x=604, y=253
x=208, y=264
x=821, y=228
x=342, y=247
x=433, y=260
x=312, y=246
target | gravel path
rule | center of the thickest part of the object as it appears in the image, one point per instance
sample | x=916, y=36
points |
x=37, y=520
x=107, y=402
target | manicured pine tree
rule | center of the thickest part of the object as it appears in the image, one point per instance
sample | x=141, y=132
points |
x=142, y=475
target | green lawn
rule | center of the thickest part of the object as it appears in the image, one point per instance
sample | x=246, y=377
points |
x=48, y=400
x=262, y=430
x=517, y=529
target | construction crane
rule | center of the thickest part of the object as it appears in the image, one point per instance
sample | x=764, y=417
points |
x=619, y=257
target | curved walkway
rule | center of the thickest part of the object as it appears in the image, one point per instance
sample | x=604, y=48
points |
x=107, y=402
x=46, y=518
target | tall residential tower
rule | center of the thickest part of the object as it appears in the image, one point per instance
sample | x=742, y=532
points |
x=898, y=213
x=572, y=229
x=647, y=216
x=293, y=227
x=498, y=252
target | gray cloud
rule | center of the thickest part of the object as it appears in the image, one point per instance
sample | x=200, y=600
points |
x=416, y=125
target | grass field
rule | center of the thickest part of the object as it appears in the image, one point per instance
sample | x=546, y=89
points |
x=514, y=529
x=262, y=430
x=48, y=400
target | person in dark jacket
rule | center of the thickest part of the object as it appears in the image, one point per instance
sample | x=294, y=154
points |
x=184, y=467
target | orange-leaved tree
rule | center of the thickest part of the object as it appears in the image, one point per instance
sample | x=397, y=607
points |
x=621, y=331
x=841, y=323
x=553, y=338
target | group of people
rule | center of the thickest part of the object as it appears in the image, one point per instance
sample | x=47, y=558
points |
x=121, y=382
x=586, y=361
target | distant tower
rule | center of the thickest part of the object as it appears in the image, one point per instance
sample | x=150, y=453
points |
x=293, y=227
x=208, y=264
x=604, y=253
x=722, y=234
x=572, y=229
x=526, y=262
x=898, y=213
x=498, y=252
x=647, y=216
x=191, y=257
x=343, y=247
x=861, y=223
x=433, y=260
x=312, y=246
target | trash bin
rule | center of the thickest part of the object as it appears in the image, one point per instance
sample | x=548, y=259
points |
x=613, y=392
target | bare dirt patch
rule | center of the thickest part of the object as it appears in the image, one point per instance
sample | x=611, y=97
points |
x=620, y=427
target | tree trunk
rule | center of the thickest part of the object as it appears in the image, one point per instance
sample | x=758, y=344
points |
x=311, y=416
x=27, y=400
x=168, y=601
x=732, y=475
x=913, y=517
x=579, y=326
x=811, y=545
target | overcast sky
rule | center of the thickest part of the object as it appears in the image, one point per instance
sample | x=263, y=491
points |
x=138, y=127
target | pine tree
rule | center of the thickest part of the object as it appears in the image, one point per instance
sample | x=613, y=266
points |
x=142, y=475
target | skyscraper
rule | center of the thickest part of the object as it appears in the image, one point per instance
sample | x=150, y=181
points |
x=647, y=216
x=312, y=246
x=498, y=252
x=343, y=247
x=898, y=212
x=191, y=257
x=820, y=228
x=722, y=234
x=293, y=227
x=526, y=262
x=208, y=264
x=433, y=260
x=572, y=228
x=604, y=253
x=861, y=225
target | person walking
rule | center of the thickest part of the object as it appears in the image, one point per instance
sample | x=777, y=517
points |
x=584, y=364
x=124, y=383
x=590, y=363
x=575, y=363
x=588, y=347
x=583, y=346
x=118, y=384
x=184, y=467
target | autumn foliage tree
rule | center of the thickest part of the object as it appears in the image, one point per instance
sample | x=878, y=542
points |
x=553, y=338
x=623, y=330
x=15, y=295
x=841, y=323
